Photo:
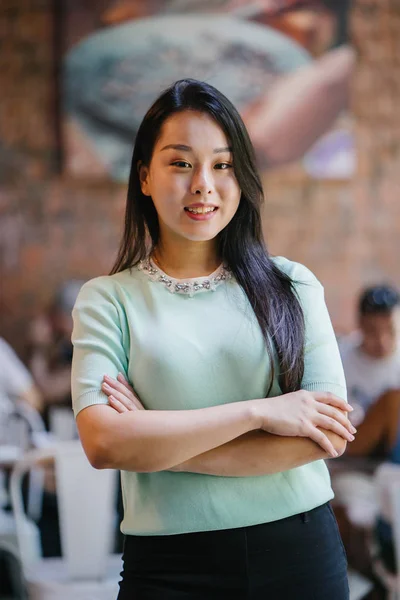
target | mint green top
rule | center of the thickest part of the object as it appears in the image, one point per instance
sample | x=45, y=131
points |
x=184, y=352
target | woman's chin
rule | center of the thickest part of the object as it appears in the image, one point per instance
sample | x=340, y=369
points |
x=200, y=232
x=200, y=236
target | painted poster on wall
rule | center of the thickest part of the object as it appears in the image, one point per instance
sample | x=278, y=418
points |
x=285, y=64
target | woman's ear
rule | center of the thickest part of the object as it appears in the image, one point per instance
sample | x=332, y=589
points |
x=143, y=172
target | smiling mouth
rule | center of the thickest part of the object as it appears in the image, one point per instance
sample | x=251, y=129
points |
x=201, y=210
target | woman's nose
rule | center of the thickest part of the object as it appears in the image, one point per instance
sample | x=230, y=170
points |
x=201, y=183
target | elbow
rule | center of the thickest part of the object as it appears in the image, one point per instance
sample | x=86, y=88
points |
x=97, y=460
x=98, y=453
x=110, y=443
x=100, y=459
x=104, y=455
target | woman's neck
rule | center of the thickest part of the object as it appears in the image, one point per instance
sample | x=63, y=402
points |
x=186, y=260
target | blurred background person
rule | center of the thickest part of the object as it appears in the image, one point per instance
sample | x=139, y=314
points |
x=50, y=357
x=19, y=402
x=371, y=361
x=371, y=356
x=50, y=348
x=16, y=383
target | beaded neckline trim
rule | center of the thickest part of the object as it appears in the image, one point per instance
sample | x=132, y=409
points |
x=185, y=286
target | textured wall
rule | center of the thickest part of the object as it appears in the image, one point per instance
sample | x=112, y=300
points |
x=349, y=233
x=52, y=228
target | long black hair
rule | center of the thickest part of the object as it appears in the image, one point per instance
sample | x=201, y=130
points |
x=241, y=244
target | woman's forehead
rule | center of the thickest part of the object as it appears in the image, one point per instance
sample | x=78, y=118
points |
x=192, y=128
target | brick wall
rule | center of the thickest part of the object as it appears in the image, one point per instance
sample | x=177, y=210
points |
x=52, y=228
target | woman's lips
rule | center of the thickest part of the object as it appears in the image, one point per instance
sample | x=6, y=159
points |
x=200, y=216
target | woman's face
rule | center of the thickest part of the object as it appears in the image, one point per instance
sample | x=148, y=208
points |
x=191, y=178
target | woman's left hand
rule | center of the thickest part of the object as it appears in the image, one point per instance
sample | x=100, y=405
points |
x=121, y=396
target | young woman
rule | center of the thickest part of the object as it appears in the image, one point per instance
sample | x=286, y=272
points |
x=233, y=357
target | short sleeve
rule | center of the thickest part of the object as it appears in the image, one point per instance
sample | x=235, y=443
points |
x=15, y=379
x=323, y=370
x=98, y=339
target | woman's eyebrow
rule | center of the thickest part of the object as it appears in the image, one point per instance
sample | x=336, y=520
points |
x=220, y=150
x=177, y=147
x=185, y=148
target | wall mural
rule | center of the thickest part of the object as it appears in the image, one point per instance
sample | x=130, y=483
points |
x=285, y=64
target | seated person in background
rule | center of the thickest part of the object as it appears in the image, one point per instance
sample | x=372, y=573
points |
x=371, y=358
x=50, y=356
x=50, y=348
x=17, y=392
x=371, y=361
x=16, y=386
x=17, y=389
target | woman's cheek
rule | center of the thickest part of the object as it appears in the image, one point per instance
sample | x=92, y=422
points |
x=173, y=188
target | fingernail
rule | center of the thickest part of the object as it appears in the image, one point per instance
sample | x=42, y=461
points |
x=352, y=437
x=335, y=454
x=349, y=408
x=353, y=430
x=106, y=386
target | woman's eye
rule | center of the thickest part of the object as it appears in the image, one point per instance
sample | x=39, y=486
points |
x=181, y=163
x=223, y=166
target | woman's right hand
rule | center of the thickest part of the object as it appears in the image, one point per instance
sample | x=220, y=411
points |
x=121, y=395
x=303, y=414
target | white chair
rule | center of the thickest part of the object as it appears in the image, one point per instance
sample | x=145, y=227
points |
x=86, y=500
x=62, y=423
x=17, y=432
x=32, y=432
